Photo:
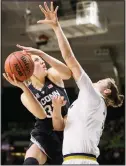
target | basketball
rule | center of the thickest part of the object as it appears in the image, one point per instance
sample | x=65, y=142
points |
x=19, y=64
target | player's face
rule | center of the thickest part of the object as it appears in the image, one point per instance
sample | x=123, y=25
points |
x=39, y=66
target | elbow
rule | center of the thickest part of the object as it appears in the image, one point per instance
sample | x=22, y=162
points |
x=68, y=75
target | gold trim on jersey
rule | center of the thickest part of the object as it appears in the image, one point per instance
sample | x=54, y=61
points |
x=79, y=157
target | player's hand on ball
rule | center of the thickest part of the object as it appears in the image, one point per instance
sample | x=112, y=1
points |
x=29, y=50
x=58, y=101
x=50, y=14
x=13, y=81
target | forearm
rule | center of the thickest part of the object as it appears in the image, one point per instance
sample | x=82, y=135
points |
x=57, y=119
x=32, y=104
x=63, y=42
x=58, y=65
x=67, y=53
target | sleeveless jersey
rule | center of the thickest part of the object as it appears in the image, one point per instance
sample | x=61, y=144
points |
x=44, y=96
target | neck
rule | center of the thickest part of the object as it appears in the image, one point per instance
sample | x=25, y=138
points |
x=37, y=82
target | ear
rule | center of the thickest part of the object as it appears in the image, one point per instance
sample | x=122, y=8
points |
x=107, y=91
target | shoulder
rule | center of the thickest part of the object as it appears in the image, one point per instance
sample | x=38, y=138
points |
x=54, y=76
x=23, y=97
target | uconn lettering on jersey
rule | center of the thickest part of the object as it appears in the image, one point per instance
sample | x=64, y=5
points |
x=47, y=98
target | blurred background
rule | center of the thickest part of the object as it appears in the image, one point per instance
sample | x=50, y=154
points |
x=96, y=34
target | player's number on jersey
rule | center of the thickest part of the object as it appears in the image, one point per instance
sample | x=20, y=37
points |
x=48, y=110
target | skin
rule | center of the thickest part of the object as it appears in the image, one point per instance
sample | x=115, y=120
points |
x=63, y=72
x=51, y=19
x=103, y=86
x=55, y=74
x=38, y=77
x=30, y=102
x=40, y=72
x=67, y=53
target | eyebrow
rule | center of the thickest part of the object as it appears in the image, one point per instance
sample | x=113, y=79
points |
x=36, y=58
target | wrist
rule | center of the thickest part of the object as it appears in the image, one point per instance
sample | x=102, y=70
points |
x=41, y=53
x=57, y=107
x=57, y=110
x=56, y=26
x=56, y=115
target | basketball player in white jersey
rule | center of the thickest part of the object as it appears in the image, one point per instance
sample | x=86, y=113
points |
x=86, y=116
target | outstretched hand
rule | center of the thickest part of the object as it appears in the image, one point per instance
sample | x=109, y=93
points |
x=29, y=50
x=50, y=15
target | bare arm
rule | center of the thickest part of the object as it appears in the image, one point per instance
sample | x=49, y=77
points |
x=57, y=119
x=67, y=53
x=27, y=98
x=61, y=68
x=32, y=104
x=82, y=79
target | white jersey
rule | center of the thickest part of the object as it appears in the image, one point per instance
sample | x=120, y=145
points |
x=85, y=121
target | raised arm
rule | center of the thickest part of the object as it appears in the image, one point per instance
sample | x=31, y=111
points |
x=83, y=81
x=27, y=98
x=67, y=53
x=61, y=68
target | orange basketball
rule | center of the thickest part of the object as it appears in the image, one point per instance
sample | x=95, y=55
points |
x=19, y=64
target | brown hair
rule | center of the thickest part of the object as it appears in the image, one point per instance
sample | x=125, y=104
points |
x=114, y=99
